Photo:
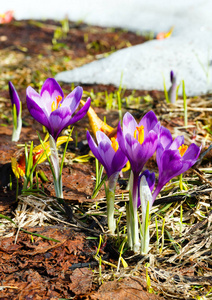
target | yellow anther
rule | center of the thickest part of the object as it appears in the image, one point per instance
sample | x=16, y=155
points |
x=182, y=149
x=53, y=107
x=114, y=144
x=58, y=99
x=140, y=131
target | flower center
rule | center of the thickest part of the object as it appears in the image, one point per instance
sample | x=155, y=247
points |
x=55, y=106
x=139, y=134
x=114, y=144
x=182, y=149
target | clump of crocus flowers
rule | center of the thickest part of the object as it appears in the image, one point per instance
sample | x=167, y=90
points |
x=136, y=143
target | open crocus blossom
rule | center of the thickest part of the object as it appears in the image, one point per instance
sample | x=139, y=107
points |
x=173, y=158
x=52, y=110
x=107, y=152
x=16, y=112
x=113, y=159
x=138, y=141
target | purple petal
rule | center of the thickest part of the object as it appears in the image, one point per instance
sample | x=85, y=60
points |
x=61, y=118
x=112, y=161
x=37, y=112
x=49, y=93
x=177, y=142
x=103, y=152
x=58, y=120
x=159, y=153
x=120, y=138
x=101, y=136
x=156, y=128
x=148, y=121
x=119, y=160
x=171, y=164
x=150, y=178
x=171, y=76
x=80, y=114
x=14, y=97
x=93, y=146
x=52, y=88
x=73, y=99
x=35, y=97
x=132, y=147
x=139, y=154
x=129, y=124
x=149, y=145
x=192, y=153
x=165, y=137
x=107, y=154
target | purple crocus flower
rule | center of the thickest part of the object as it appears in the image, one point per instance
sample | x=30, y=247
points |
x=52, y=110
x=173, y=158
x=107, y=152
x=138, y=141
x=113, y=159
x=15, y=100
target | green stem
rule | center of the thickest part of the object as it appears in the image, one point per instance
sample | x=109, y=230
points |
x=185, y=105
x=55, y=163
x=135, y=233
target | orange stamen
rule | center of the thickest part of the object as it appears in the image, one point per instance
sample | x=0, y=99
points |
x=114, y=144
x=140, y=131
x=182, y=149
x=58, y=99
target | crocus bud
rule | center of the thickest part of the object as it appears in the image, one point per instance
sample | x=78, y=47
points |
x=16, y=111
x=172, y=93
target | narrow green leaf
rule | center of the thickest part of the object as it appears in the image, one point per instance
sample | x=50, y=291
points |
x=165, y=91
x=64, y=153
x=95, y=192
x=50, y=164
x=14, y=113
x=176, y=248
